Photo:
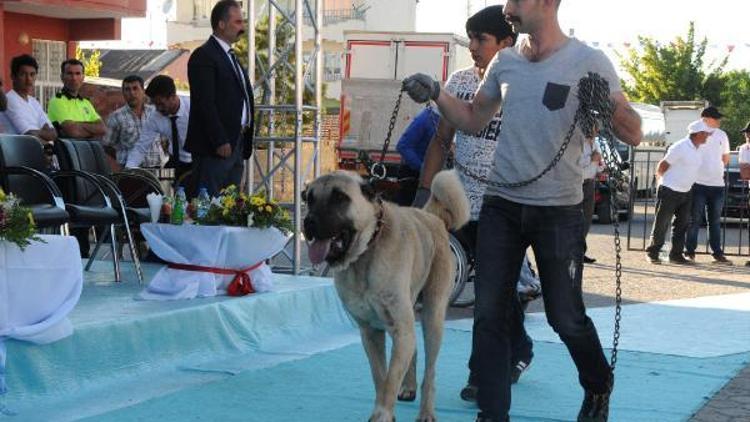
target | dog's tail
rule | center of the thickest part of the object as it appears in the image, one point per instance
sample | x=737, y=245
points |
x=448, y=200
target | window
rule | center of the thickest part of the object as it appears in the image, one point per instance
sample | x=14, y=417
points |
x=49, y=54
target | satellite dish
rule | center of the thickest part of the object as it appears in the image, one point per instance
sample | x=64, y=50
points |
x=166, y=7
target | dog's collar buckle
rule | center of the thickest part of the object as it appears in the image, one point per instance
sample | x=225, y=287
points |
x=379, y=221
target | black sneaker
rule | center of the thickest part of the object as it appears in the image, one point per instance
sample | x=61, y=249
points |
x=679, y=260
x=654, y=259
x=518, y=369
x=747, y=263
x=588, y=260
x=690, y=256
x=595, y=407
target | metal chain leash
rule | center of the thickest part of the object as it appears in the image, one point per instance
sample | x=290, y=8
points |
x=594, y=118
x=377, y=170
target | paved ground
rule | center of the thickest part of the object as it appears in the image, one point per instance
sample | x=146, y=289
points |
x=646, y=282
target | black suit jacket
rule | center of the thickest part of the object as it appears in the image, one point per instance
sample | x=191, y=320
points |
x=216, y=100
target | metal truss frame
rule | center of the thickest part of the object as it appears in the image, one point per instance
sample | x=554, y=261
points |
x=284, y=151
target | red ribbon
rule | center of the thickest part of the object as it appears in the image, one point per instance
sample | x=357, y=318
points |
x=241, y=284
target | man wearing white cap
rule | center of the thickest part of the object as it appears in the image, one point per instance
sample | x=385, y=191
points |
x=678, y=171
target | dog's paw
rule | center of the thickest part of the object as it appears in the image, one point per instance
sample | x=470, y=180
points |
x=426, y=417
x=407, y=394
x=382, y=415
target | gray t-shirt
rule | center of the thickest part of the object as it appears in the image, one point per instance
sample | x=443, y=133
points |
x=539, y=101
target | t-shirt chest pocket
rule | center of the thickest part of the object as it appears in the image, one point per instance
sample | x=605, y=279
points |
x=555, y=96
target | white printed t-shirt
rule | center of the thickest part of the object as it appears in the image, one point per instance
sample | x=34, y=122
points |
x=473, y=151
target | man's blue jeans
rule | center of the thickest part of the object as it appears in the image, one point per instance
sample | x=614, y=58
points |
x=707, y=201
x=555, y=233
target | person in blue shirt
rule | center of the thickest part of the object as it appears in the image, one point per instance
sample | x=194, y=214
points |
x=412, y=146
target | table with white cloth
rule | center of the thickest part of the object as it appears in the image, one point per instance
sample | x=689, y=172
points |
x=216, y=247
x=38, y=288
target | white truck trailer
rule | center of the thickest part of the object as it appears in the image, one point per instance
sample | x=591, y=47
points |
x=678, y=115
x=376, y=63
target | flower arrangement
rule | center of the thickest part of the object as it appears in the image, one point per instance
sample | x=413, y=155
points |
x=16, y=222
x=235, y=208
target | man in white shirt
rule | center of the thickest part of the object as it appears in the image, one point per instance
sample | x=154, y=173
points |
x=171, y=122
x=677, y=171
x=708, y=190
x=743, y=155
x=24, y=111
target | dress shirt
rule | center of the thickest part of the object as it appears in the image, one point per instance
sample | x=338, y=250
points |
x=124, y=131
x=160, y=125
x=226, y=47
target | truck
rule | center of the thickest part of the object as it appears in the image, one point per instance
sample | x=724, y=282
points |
x=376, y=63
x=678, y=115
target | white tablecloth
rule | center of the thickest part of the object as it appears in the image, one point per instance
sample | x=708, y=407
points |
x=38, y=289
x=208, y=246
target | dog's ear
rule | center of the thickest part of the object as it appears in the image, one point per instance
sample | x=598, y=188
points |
x=367, y=190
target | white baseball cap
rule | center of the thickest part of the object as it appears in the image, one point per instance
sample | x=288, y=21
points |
x=699, y=126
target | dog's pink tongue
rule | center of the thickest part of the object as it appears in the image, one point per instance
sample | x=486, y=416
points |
x=318, y=250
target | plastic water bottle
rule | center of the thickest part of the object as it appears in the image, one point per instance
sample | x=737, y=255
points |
x=180, y=202
x=203, y=203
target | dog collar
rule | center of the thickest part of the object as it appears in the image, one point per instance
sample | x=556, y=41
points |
x=379, y=222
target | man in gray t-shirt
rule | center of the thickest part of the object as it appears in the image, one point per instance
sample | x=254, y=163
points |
x=536, y=85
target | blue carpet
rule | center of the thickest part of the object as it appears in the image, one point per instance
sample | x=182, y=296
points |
x=336, y=386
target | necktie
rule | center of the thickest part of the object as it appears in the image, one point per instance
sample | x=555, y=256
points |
x=175, y=142
x=240, y=79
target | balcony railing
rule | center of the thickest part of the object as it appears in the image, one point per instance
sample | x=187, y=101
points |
x=334, y=16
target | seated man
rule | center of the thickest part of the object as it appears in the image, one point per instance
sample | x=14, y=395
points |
x=412, y=146
x=73, y=115
x=125, y=124
x=24, y=111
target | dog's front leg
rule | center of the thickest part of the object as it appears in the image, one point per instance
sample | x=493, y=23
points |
x=402, y=351
x=373, y=341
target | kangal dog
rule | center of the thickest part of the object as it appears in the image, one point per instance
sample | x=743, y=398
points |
x=383, y=257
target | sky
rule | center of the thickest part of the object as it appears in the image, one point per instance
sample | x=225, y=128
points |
x=619, y=23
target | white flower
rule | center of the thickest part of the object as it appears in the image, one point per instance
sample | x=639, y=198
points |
x=216, y=201
x=250, y=220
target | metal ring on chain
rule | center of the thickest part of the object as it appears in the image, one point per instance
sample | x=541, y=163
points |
x=378, y=170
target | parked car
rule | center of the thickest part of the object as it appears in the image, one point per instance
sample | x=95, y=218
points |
x=736, y=200
x=603, y=208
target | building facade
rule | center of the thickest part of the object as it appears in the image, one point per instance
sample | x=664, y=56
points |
x=50, y=30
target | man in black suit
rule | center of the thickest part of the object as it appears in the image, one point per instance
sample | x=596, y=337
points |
x=220, y=128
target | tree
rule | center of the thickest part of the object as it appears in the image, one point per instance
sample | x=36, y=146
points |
x=92, y=63
x=735, y=105
x=672, y=72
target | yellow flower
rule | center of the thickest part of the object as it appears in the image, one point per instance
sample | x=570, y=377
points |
x=257, y=201
x=228, y=202
x=31, y=218
x=225, y=212
x=2, y=195
x=269, y=208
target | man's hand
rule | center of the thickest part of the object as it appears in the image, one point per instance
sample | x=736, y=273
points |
x=421, y=198
x=224, y=151
x=421, y=88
